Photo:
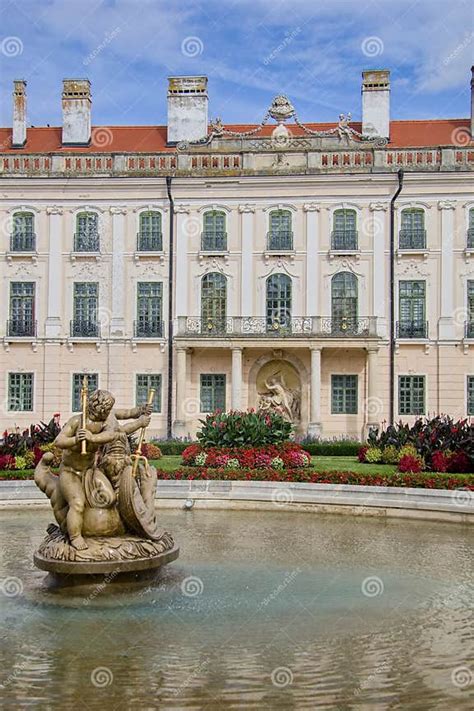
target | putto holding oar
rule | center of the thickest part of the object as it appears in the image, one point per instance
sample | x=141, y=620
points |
x=103, y=498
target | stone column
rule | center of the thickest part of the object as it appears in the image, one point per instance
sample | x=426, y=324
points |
x=312, y=258
x=247, y=285
x=314, y=427
x=180, y=421
x=374, y=403
x=236, y=378
x=446, y=321
x=183, y=228
x=117, y=321
x=379, y=304
x=55, y=274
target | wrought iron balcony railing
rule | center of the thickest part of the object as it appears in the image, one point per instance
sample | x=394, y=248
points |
x=412, y=329
x=148, y=329
x=22, y=242
x=84, y=328
x=412, y=239
x=149, y=241
x=86, y=242
x=280, y=240
x=214, y=241
x=469, y=329
x=344, y=239
x=470, y=238
x=295, y=326
x=21, y=328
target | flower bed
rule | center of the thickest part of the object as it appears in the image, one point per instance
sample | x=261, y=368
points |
x=287, y=455
x=419, y=480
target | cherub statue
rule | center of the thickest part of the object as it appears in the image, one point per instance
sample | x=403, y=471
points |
x=343, y=128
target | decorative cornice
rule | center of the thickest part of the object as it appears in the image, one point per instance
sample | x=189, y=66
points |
x=446, y=204
x=118, y=210
x=246, y=208
x=374, y=206
x=182, y=209
x=311, y=207
x=54, y=210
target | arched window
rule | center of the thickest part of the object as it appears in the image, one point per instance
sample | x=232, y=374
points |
x=214, y=235
x=412, y=231
x=214, y=303
x=344, y=303
x=23, y=238
x=470, y=230
x=344, y=231
x=280, y=235
x=86, y=238
x=278, y=310
x=150, y=236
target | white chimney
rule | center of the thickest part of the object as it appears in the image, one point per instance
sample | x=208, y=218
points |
x=376, y=103
x=187, y=108
x=472, y=102
x=19, y=114
x=76, y=101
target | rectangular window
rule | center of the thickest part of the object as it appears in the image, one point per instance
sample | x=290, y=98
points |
x=144, y=383
x=92, y=385
x=86, y=238
x=412, y=233
x=23, y=236
x=411, y=394
x=150, y=237
x=412, y=310
x=214, y=235
x=470, y=309
x=20, y=392
x=149, y=310
x=212, y=393
x=85, y=307
x=470, y=395
x=344, y=394
x=22, y=309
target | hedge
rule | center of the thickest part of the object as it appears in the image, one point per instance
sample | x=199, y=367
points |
x=348, y=448
x=171, y=446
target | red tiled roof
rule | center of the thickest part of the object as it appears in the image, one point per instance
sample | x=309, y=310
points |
x=152, y=139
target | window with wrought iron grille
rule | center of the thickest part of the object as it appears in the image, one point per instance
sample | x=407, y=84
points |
x=470, y=395
x=470, y=230
x=344, y=233
x=344, y=394
x=23, y=238
x=278, y=306
x=22, y=309
x=86, y=238
x=77, y=380
x=150, y=236
x=144, y=383
x=149, y=322
x=470, y=309
x=20, y=392
x=214, y=235
x=411, y=394
x=85, y=309
x=214, y=303
x=344, y=303
x=412, y=309
x=280, y=234
x=412, y=231
x=212, y=392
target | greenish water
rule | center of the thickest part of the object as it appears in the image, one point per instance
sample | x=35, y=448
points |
x=263, y=610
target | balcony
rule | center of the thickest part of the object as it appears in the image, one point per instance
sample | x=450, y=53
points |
x=412, y=329
x=148, y=329
x=262, y=327
x=21, y=328
x=280, y=241
x=23, y=242
x=414, y=240
x=214, y=241
x=469, y=329
x=85, y=242
x=84, y=328
x=149, y=241
x=344, y=240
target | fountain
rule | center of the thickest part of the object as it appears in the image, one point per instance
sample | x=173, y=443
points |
x=103, y=497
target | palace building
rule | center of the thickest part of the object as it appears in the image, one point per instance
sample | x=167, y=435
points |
x=327, y=269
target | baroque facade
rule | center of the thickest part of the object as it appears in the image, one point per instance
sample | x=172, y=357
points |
x=327, y=269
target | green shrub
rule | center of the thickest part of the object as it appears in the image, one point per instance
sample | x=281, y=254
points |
x=170, y=446
x=373, y=455
x=343, y=448
x=243, y=429
x=409, y=450
x=390, y=455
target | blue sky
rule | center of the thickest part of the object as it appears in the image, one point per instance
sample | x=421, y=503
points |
x=312, y=51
